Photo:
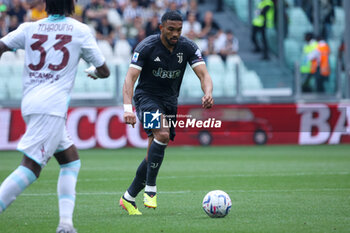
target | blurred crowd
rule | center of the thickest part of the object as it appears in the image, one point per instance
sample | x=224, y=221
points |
x=315, y=66
x=315, y=63
x=122, y=24
x=265, y=17
x=327, y=15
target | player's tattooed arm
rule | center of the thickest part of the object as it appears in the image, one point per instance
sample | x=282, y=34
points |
x=128, y=91
x=206, y=84
x=3, y=48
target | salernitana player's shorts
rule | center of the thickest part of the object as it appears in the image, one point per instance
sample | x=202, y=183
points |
x=44, y=136
x=146, y=103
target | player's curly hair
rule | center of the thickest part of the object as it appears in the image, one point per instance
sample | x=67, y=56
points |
x=60, y=7
x=171, y=15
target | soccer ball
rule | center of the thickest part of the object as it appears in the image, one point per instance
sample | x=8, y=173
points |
x=217, y=204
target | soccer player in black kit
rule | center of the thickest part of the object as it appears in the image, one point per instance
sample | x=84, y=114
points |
x=159, y=61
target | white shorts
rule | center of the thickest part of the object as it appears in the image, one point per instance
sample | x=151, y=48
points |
x=44, y=136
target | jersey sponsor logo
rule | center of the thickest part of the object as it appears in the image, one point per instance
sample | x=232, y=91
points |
x=135, y=57
x=151, y=120
x=172, y=74
x=157, y=59
x=41, y=77
x=180, y=56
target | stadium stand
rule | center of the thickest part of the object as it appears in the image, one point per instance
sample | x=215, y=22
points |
x=106, y=49
x=274, y=78
x=293, y=49
x=256, y=77
x=298, y=24
x=191, y=86
x=86, y=88
x=122, y=51
x=241, y=8
x=216, y=66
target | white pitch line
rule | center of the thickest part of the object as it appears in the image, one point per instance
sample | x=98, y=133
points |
x=259, y=175
x=114, y=178
x=200, y=191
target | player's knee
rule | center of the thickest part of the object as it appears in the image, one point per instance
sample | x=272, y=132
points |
x=31, y=165
x=163, y=137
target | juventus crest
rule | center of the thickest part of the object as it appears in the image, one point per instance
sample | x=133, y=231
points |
x=180, y=56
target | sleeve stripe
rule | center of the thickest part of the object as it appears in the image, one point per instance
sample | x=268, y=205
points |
x=135, y=66
x=146, y=42
x=197, y=63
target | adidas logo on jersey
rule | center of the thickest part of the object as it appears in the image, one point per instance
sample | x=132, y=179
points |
x=157, y=59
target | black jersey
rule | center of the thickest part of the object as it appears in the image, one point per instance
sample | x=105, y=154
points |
x=161, y=70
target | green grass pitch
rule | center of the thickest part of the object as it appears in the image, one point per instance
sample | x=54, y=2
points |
x=273, y=189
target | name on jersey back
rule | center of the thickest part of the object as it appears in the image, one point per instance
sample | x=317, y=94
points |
x=55, y=27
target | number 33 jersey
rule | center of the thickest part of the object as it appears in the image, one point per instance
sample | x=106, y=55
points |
x=53, y=47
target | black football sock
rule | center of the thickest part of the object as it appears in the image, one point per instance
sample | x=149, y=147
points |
x=139, y=181
x=155, y=159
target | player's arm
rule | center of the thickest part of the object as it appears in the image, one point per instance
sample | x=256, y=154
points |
x=14, y=40
x=206, y=84
x=91, y=53
x=128, y=91
x=98, y=72
x=102, y=71
x=3, y=48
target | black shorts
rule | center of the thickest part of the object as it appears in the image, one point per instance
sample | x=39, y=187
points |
x=147, y=103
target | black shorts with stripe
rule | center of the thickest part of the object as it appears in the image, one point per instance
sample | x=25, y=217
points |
x=148, y=103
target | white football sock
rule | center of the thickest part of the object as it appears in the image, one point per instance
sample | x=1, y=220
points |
x=128, y=197
x=66, y=191
x=152, y=189
x=14, y=185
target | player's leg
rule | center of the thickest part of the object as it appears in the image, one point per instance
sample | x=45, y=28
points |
x=38, y=144
x=69, y=162
x=127, y=201
x=254, y=38
x=18, y=181
x=265, y=46
x=306, y=86
x=155, y=159
x=320, y=79
x=139, y=181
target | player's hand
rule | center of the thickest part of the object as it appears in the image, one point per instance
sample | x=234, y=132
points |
x=207, y=101
x=91, y=72
x=130, y=118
